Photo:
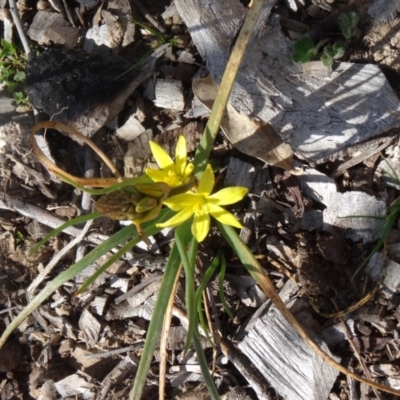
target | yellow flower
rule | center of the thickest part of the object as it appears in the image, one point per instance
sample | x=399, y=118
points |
x=173, y=174
x=202, y=204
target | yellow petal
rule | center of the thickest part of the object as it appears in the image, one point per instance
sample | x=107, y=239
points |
x=181, y=155
x=177, y=219
x=162, y=158
x=228, y=195
x=223, y=216
x=180, y=201
x=206, y=183
x=156, y=175
x=188, y=170
x=201, y=225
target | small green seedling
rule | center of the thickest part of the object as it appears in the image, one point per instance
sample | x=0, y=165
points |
x=348, y=24
x=332, y=53
x=305, y=50
x=12, y=70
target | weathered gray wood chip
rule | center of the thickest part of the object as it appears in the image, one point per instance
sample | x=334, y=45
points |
x=319, y=116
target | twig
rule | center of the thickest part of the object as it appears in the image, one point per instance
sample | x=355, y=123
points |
x=8, y=202
x=357, y=353
x=148, y=16
x=20, y=29
x=42, y=275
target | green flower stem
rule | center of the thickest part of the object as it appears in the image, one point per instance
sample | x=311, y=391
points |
x=225, y=88
x=189, y=280
x=204, y=368
x=207, y=276
x=157, y=317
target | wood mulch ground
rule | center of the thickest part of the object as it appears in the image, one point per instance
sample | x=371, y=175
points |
x=88, y=346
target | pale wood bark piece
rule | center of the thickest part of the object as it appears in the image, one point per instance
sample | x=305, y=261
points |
x=340, y=206
x=315, y=184
x=98, y=305
x=50, y=27
x=105, y=37
x=169, y=94
x=286, y=361
x=280, y=355
x=131, y=129
x=319, y=117
x=74, y=385
x=90, y=328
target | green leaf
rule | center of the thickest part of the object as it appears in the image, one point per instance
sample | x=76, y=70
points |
x=11, y=86
x=303, y=45
x=339, y=50
x=304, y=50
x=18, y=97
x=348, y=23
x=326, y=59
x=157, y=318
x=19, y=76
x=8, y=49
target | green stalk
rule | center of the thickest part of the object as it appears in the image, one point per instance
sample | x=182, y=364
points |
x=157, y=317
x=221, y=100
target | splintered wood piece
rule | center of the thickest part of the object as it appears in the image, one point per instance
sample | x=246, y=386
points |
x=98, y=304
x=320, y=117
x=131, y=129
x=90, y=327
x=240, y=173
x=286, y=361
x=105, y=37
x=126, y=366
x=75, y=385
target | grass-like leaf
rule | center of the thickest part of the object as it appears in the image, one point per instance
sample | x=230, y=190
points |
x=154, y=329
x=71, y=222
x=68, y=274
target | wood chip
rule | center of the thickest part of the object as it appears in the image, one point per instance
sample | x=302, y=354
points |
x=169, y=94
x=75, y=385
x=90, y=328
x=48, y=27
x=319, y=117
x=340, y=206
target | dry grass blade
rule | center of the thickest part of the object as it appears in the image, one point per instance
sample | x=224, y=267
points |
x=43, y=159
x=256, y=271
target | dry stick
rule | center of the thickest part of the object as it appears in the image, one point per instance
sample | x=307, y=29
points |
x=8, y=202
x=164, y=337
x=74, y=134
x=148, y=16
x=269, y=289
x=20, y=29
x=357, y=354
x=43, y=274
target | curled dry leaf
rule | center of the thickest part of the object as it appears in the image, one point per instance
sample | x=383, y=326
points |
x=252, y=137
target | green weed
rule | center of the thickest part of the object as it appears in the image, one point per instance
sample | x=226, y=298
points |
x=12, y=71
x=305, y=50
